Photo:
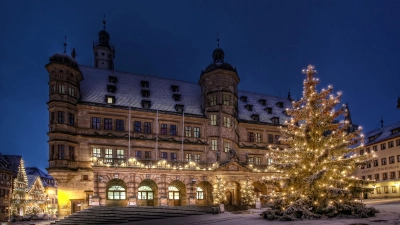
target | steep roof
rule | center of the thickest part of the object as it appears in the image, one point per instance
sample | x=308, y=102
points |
x=129, y=93
x=33, y=172
x=4, y=164
x=382, y=134
x=14, y=161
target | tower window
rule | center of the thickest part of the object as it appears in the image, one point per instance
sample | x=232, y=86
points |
x=110, y=99
x=175, y=88
x=249, y=107
x=179, y=108
x=111, y=88
x=146, y=93
x=243, y=98
x=146, y=104
x=144, y=84
x=268, y=110
x=177, y=97
x=226, y=99
x=112, y=79
x=262, y=102
x=279, y=104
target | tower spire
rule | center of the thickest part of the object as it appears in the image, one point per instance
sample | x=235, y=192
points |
x=381, y=122
x=65, y=44
x=217, y=39
x=104, y=22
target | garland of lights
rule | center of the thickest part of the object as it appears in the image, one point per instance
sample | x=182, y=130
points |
x=219, y=192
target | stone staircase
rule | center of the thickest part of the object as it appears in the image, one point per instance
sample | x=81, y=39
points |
x=119, y=215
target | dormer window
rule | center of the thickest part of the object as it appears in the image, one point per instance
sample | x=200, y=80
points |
x=111, y=88
x=279, y=104
x=144, y=84
x=146, y=104
x=249, y=107
x=110, y=99
x=285, y=112
x=268, y=110
x=146, y=93
x=372, y=138
x=255, y=117
x=395, y=131
x=262, y=101
x=243, y=98
x=177, y=97
x=112, y=79
x=275, y=120
x=175, y=88
x=179, y=108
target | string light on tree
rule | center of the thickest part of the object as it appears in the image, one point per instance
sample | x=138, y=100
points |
x=309, y=183
x=219, y=191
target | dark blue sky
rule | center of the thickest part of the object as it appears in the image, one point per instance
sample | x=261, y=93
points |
x=355, y=46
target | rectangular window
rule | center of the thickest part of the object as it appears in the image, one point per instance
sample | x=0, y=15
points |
x=85, y=177
x=147, y=127
x=107, y=124
x=377, y=177
x=108, y=154
x=258, y=160
x=61, y=152
x=369, y=165
x=378, y=190
x=393, y=175
x=164, y=155
x=96, y=123
x=173, y=157
x=71, y=91
x=214, y=120
x=200, y=195
x=225, y=99
x=368, y=150
x=61, y=117
x=172, y=130
x=391, y=160
x=89, y=198
x=362, y=177
x=213, y=100
x=71, y=119
x=375, y=148
x=390, y=144
x=397, y=142
x=251, y=160
x=383, y=161
x=188, y=131
x=61, y=89
x=197, y=158
x=385, y=189
x=376, y=162
x=96, y=152
x=250, y=136
x=214, y=145
x=270, y=138
x=227, y=122
x=188, y=157
x=120, y=154
x=196, y=132
x=394, y=189
x=164, y=129
x=137, y=126
x=383, y=146
x=119, y=125
x=398, y=158
x=226, y=146
x=277, y=139
x=138, y=154
x=369, y=177
x=71, y=152
x=258, y=137
x=147, y=155
x=384, y=176
x=362, y=152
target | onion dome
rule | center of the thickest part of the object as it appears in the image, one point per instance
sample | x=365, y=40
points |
x=218, y=62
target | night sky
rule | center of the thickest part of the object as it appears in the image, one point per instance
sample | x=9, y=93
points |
x=354, y=45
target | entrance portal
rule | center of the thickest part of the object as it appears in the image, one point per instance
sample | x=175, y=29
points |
x=228, y=195
x=173, y=194
x=146, y=193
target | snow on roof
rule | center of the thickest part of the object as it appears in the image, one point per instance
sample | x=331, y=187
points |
x=33, y=172
x=14, y=161
x=381, y=134
x=128, y=93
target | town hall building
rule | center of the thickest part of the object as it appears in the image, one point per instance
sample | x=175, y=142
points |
x=120, y=138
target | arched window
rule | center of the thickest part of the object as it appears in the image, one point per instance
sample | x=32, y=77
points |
x=145, y=192
x=116, y=192
x=173, y=192
x=200, y=193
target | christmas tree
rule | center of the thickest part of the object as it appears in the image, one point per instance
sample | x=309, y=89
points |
x=247, y=194
x=219, y=192
x=313, y=173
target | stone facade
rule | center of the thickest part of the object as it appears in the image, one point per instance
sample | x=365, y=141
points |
x=117, y=154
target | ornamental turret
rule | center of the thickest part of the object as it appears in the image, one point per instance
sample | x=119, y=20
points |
x=104, y=52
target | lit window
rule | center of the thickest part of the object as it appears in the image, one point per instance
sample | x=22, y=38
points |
x=120, y=154
x=188, y=131
x=61, y=89
x=188, y=157
x=96, y=152
x=227, y=122
x=394, y=189
x=258, y=160
x=226, y=146
x=226, y=99
x=251, y=160
x=258, y=137
x=197, y=158
x=196, y=132
x=214, y=120
x=200, y=193
x=71, y=91
x=116, y=193
x=213, y=100
x=108, y=155
x=110, y=99
x=214, y=145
